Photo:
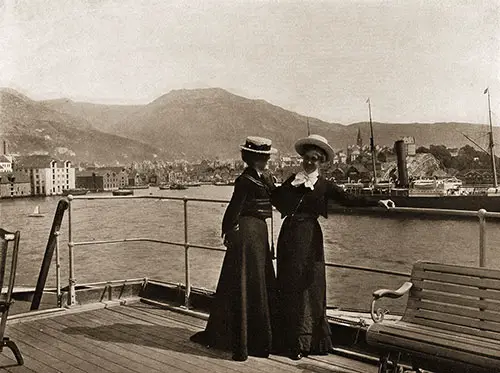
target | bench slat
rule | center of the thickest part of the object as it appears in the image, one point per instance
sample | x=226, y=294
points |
x=456, y=269
x=436, y=338
x=437, y=352
x=455, y=300
x=444, y=335
x=447, y=309
x=457, y=279
x=465, y=330
x=455, y=289
x=414, y=316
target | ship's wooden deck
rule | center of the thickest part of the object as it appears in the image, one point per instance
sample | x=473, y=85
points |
x=138, y=338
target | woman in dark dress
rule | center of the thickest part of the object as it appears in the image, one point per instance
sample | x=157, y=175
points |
x=301, y=279
x=240, y=317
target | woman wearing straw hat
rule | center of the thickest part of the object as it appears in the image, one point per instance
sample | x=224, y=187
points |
x=240, y=317
x=301, y=279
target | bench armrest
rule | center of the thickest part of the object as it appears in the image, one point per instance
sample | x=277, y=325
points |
x=381, y=293
x=379, y=313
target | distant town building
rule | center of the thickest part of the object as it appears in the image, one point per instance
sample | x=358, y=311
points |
x=411, y=149
x=135, y=179
x=14, y=184
x=5, y=163
x=454, y=152
x=47, y=176
x=90, y=180
x=114, y=177
x=5, y=159
x=353, y=153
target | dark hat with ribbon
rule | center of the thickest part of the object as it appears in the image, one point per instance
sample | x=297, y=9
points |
x=259, y=145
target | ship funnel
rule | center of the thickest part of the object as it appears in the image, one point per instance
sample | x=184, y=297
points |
x=4, y=147
x=400, y=149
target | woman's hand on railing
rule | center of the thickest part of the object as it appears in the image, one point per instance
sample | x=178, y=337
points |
x=387, y=203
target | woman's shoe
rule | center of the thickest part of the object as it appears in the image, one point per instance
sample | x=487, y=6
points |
x=295, y=355
x=239, y=357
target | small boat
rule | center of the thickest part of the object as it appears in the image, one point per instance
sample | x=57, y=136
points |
x=135, y=187
x=75, y=191
x=164, y=186
x=36, y=213
x=123, y=192
x=177, y=186
x=193, y=184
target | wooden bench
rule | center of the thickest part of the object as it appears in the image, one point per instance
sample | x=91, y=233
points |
x=451, y=322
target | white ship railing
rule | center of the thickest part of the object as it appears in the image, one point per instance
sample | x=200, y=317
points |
x=481, y=215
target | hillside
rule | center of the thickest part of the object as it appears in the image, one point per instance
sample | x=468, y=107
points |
x=102, y=117
x=209, y=123
x=31, y=127
x=425, y=134
x=196, y=124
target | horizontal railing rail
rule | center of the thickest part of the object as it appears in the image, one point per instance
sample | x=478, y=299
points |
x=367, y=269
x=145, y=239
x=481, y=215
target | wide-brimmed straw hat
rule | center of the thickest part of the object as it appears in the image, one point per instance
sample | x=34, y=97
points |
x=315, y=140
x=259, y=145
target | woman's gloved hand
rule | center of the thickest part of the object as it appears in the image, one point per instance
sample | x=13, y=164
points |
x=231, y=238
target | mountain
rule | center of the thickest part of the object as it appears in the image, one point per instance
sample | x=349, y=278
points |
x=209, y=123
x=32, y=127
x=102, y=117
x=206, y=123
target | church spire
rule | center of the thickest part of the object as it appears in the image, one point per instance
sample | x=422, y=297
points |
x=359, y=140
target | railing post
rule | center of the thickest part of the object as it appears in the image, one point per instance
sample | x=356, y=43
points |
x=482, y=237
x=186, y=256
x=71, y=275
x=58, y=271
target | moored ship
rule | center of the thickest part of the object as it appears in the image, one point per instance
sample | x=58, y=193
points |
x=447, y=194
x=75, y=191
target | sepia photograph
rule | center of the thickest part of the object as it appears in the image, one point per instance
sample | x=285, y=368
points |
x=256, y=186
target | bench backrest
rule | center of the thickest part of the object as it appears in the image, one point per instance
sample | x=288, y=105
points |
x=456, y=298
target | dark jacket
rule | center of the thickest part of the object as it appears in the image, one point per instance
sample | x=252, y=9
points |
x=251, y=197
x=289, y=199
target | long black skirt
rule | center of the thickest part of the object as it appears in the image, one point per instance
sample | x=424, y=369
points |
x=240, y=315
x=301, y=285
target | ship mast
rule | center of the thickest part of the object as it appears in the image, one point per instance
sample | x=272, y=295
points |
x=372, y=143
x=492, y=144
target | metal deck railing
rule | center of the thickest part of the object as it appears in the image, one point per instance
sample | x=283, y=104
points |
x=481, y=215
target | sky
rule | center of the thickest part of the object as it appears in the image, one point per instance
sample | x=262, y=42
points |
x=418, y=61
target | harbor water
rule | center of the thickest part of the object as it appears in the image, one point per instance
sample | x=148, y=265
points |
x=372, y=241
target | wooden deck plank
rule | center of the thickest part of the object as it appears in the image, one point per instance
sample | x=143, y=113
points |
x=284, y=364
x=262, y=365
x=166, y=339
x=181, y=317
x=125, y=359
x=136, y=361
x=8, y=364
x=112, y=335
x=161, y=364
x=31, y=362
x=139, y=338
x=39, y=350
x=55, y=344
